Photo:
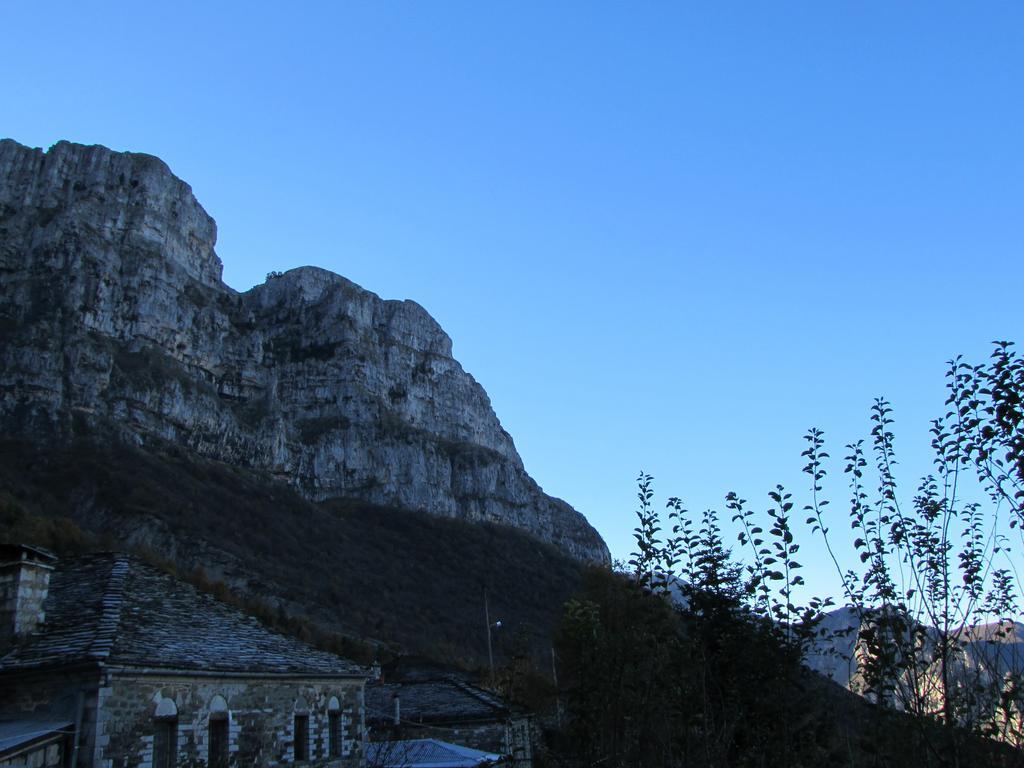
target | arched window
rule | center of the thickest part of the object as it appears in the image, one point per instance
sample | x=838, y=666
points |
x=165, y=734
x=333, y=728
x=219, y=721
x=301, y=733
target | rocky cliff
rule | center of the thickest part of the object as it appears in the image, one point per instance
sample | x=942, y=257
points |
x=115, y=322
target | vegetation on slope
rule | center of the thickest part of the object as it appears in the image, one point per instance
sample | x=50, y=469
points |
x=696, y=659
x=406, y=581
x=649, y=683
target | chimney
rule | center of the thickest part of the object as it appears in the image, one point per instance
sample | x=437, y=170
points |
x=24, y=582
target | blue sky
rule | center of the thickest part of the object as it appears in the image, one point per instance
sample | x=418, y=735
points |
x=663, y=236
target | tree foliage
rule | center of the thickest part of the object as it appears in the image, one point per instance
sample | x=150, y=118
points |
x=936, y=595
x=694, y=658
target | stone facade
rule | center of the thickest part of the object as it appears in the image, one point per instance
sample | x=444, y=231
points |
x=24, y=584
x=260, y=712
x=118, y=712
x=147, y=672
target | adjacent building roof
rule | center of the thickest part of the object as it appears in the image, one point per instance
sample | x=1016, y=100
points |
x=117, y=610
x=433, y=701
x=16, y=735
x=26, y=552
x=425, y=753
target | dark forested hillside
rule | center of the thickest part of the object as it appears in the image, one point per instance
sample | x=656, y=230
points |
x=408, y=581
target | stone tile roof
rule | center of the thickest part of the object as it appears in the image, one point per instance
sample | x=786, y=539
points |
x=120, y=611
x=425, y=753
x=433, y=701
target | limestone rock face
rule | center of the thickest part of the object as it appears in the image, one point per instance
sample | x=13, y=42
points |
x=114, y=320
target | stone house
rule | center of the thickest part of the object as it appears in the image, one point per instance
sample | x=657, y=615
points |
x=135, y=669
x=448, y=709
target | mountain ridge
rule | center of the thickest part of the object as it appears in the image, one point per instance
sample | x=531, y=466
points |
x=117, y=322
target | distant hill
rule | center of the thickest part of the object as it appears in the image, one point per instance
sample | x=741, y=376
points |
x=987, y=656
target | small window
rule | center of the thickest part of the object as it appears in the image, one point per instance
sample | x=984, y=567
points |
x=301, y=737
x=218, y=736
x=165, y=733
x=165, y=742
x=334, y=733
x=218, y=740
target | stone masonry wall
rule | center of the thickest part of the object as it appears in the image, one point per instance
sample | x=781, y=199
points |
x=8, y=603
x=261, y=719
x=23, y=589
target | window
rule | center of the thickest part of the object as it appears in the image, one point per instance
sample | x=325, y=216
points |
x=218, y=741
x=165, y=734
x=301, y=737
x=334, y=723
x=49, y=755
x=333, y=728
x=165, y=742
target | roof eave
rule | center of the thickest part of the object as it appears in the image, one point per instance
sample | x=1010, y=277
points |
x=49, y=667
x=155, y=671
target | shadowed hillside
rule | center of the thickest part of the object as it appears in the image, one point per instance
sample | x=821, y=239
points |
x=410, y=581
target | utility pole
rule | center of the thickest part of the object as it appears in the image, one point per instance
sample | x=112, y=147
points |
x=490, y=653
x=558, y=695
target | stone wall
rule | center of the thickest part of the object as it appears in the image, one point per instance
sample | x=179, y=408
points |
x=23, y=588
x=261, y=719
x=118, y=711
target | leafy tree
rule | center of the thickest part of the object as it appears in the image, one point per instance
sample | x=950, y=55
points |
x=694, y=658
x=668, y=665
x=621, y=667
x=936, y=591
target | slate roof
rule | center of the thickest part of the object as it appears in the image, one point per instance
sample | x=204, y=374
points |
x=425, y=753
x=433, y=701
x=116, y=610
